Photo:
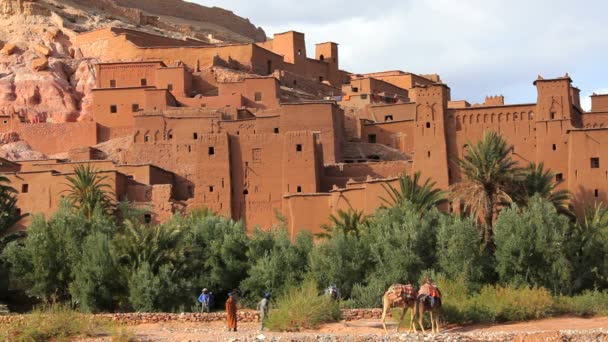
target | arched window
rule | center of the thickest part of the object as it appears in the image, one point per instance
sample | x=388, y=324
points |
x=478, y=117
x=492, y=117
x=485, y=118
x=514, y=116
x=500, y=117
x=471, y=119
x=508, y=117
x=321, y=58
x=170, y=135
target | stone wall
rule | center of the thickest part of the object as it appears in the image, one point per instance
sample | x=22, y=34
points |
x=244, y=316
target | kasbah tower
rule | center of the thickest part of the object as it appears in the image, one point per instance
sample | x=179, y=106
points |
x=260, y=130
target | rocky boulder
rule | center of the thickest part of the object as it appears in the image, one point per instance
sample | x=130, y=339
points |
x=40, y=64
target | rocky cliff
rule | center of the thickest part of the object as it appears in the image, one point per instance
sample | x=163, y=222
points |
x=44, y=79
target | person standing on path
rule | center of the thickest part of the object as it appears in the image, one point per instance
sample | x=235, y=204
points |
x=263, y=307
x=231, y=311
x=205, y=300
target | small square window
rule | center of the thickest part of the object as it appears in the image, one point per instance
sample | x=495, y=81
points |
x=112, y=83
x=113, y=109
x=595, y=163
x=169, y=136
x=299, y=147
x=195, y=136
x=135, y=107
x=210, y=188
x=428, y=153
x=169, y=87
x=552, y=115
x=146, y=138
x=596, y=192
x=276, y=130
x=363, y=96
x=143, y=82
x=428, y=125
x=355, y=89
x=5, y=122
x=299, y=189
x=257, y=96
x=371, y=138
x=211, y=150
x=147, y=218
x=554, y=147
x=388, y=118
x=25, y=188
x=559, y=177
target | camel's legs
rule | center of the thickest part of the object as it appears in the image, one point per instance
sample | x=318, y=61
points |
x=384, y=309
x=421, y=316
x=402, y=316
x=412, y=320
x=432, y=323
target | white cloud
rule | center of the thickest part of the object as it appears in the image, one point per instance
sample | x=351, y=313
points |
x=478, y=47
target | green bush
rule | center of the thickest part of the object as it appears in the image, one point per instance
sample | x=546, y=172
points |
x=590, y=303
x=530, y=246
x=302, y=308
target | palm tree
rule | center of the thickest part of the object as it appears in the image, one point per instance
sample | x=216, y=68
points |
x=87, y=191
x=586, y=248
x=348, y=222
x=539, y=181
x=421, y=196
x=489, y=177
x=155, y=245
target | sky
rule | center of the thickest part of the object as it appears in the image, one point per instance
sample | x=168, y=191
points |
x=479, y=47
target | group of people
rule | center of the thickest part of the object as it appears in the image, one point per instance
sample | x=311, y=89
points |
x=206, y=300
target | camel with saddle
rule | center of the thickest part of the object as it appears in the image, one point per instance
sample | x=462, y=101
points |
x=427, y=299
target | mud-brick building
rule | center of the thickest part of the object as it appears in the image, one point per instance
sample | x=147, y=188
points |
x=260, y=131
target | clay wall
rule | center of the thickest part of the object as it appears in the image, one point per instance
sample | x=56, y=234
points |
x=364, y=196
x=587, y=179
x=201, y=166
x=5, y=123
x=267, y=166
x=323, y=117
x=126, y=75
x=50, y=138
x=396, y=134
x=41, y=192
x=369, y=85
x=430, y=145
x=599, y=103
x=595, y=120
x=175, y=79
x=401, y=79
x=393, y=112
x=515, y=123
x=260, y=93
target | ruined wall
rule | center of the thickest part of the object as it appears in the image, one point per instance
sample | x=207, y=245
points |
x=340, y=174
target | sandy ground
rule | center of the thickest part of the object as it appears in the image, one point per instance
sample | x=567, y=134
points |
x=555, y=329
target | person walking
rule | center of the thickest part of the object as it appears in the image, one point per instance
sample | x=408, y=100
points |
x=231, y=311
x=205, y=300
x=263, y=307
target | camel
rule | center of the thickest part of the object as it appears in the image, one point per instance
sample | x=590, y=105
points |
x=402, y=296
x=421, y=306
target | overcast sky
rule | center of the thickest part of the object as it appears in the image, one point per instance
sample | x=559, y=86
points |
x=479, y=47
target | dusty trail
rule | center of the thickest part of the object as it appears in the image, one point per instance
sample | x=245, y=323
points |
x=554, y=329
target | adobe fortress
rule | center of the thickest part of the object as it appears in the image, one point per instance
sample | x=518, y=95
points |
x=257, y=131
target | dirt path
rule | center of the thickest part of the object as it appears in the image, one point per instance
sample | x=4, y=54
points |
x=555, y=329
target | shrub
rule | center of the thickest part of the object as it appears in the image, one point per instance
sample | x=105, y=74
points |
x=303, y=308
x=530, y=246
x=276, y=262
x=514, y=304
x=590, y=303
x=58, y=322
